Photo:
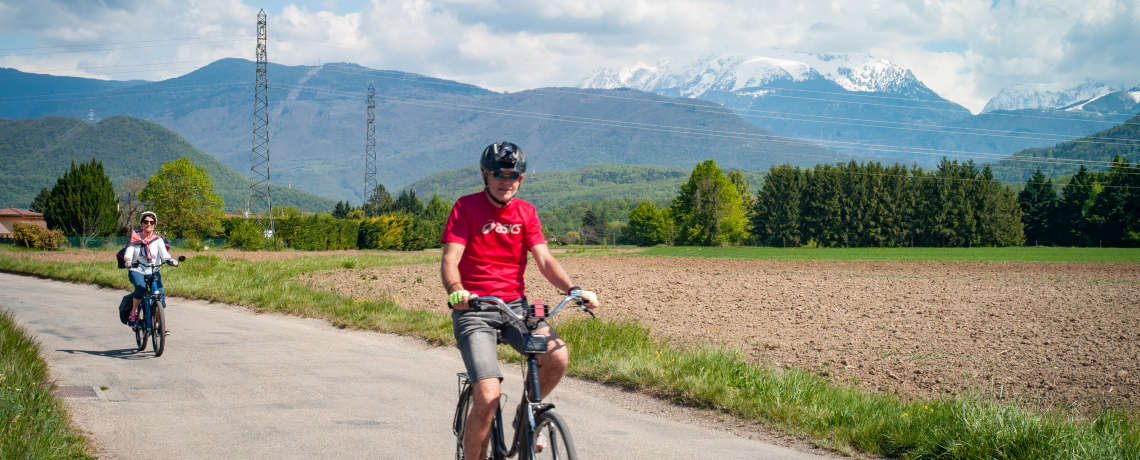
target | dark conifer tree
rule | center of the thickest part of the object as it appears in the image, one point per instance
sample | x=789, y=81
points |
x=822, y=212
x=595, y=227
x=83, y=202
x=1076, y=198
x=407, y=202
x=1112, y=217
x=1039, y=201
x=776, y=213
x=40, y=201
x=379, y=203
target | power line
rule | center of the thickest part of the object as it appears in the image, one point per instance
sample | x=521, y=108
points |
x=122, y=48
x=919, y=127
x=859, y=146
x=678, y=130
x=366, y=48
x=699, y=107
x=122, y=43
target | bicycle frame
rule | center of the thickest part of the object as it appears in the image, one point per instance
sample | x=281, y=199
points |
x=530, y=407
x=154, y=295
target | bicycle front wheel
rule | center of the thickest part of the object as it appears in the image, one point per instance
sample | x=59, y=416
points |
x=140, y=326
x=158, y=332
x=551, y=431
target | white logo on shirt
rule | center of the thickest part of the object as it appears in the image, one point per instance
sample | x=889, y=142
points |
x=513, y=229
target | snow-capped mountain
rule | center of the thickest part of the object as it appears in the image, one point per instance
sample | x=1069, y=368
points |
x=1043, y=96
x=862, y=105
x=1124, y=102
x=734, y=73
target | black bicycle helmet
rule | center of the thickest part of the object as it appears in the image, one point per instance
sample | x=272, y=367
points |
x=503, y=156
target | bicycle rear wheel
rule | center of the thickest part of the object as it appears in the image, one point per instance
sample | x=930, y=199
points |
x=559, y=443
x=140, y=326
x=462, y=410
x=158, y=331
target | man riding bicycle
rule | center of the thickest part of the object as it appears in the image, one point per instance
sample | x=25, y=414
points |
x=485, y=247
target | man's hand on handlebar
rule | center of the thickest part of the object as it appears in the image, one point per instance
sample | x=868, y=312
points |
x=589, y=299
x=459, y=300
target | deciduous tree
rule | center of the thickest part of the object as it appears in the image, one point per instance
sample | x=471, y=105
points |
x=182, y=195
x=647, y=225
x=708, y=211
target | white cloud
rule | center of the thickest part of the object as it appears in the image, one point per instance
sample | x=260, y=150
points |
x=980, y=45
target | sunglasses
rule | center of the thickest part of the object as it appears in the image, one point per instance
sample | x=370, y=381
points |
x=148, y=222
x=500, y=175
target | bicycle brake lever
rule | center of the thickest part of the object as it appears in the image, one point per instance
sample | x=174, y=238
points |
x=587, y=310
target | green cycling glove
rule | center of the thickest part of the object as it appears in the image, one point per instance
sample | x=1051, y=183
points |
x=457, y=296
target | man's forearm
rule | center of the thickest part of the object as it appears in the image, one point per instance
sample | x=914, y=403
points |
x=449, y=269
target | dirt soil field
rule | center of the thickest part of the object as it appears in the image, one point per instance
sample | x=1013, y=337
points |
x=1050, y=335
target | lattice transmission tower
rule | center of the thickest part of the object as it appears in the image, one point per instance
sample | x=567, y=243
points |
x=259, y=205
x=370, y=146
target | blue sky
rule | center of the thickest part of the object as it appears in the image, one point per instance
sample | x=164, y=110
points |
x=966, y=50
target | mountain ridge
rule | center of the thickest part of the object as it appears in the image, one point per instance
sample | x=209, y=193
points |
x=425, y=125
x=1096, y=149
x=38, y=150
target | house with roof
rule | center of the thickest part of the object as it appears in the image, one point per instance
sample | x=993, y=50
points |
x=9, y=217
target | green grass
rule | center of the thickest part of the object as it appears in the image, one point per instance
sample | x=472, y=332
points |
x=33, y=423
x=1014, y=254
x=795, y=401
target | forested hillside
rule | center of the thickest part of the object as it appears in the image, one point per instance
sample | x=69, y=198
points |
x=426, y=125
x=559, y=189
x=36, y=151
x=1095, y=151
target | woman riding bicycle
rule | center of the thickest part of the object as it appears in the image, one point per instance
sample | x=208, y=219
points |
x=146, y=246
x=485, y=247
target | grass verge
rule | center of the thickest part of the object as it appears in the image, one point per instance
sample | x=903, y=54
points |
x=1014, y=254
x=33, y=423
x=626, y=354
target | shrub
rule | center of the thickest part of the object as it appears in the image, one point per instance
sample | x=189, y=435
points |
x=247, y=235
x=318, y=232
x=571, y=238
x=384, y=232
x=193, y=244
x=33, y=236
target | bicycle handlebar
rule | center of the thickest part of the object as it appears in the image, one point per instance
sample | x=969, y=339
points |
x=137, y=263
x=497, y=302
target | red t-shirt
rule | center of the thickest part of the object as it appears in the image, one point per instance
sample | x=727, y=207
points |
x=496, y=243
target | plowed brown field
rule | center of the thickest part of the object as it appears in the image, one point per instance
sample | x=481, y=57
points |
x=1048, y=334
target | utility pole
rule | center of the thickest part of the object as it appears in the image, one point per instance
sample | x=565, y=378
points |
x=370, y=146
x=259, y=205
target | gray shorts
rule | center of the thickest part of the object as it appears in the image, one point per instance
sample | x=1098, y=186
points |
x=476, y=334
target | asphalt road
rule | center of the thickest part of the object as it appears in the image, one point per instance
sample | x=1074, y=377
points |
x=235, y=384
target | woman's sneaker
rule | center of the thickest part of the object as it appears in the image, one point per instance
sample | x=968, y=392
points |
x=132, y=321
x=541, y=442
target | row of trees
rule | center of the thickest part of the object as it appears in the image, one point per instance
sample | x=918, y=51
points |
x=1095, y=208
x=851, y=204
x=85, y=204
x=404, y=223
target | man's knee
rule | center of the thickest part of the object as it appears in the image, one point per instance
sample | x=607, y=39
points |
x=485, y=395
x=556, y=358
